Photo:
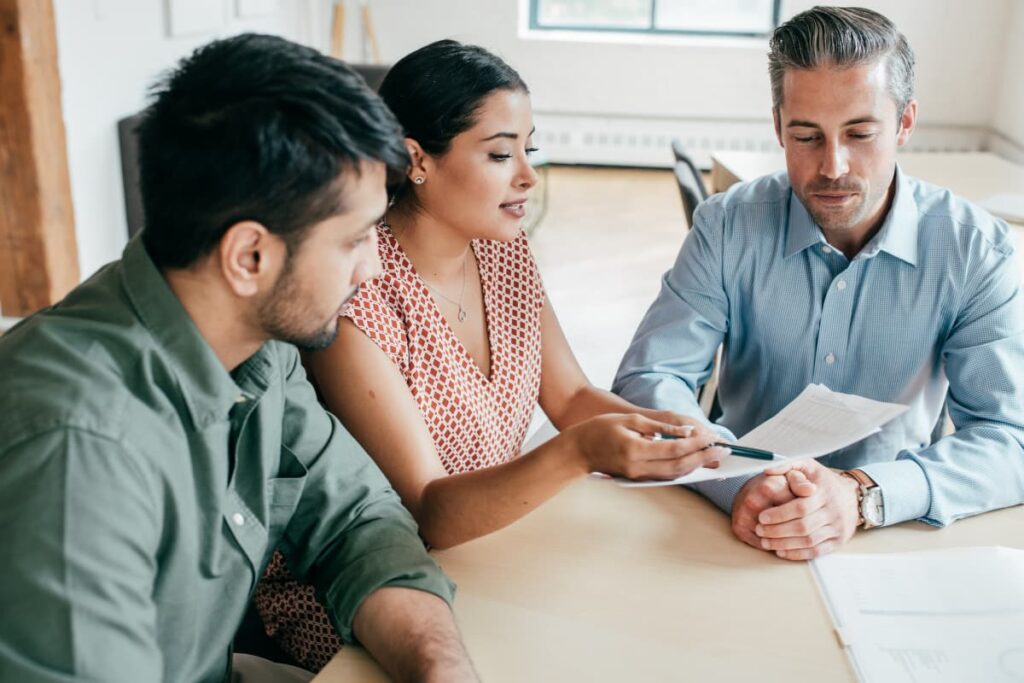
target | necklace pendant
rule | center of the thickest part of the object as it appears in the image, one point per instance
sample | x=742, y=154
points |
x=462, y=314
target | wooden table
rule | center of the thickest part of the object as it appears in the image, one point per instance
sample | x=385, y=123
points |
x=610, y=584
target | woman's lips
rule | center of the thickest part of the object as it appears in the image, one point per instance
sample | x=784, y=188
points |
x=516, y=209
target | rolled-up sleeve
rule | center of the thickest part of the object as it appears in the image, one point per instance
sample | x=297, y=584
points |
x=80, y=530
x=350, y=534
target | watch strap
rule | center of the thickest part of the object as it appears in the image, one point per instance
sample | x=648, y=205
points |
x=864, y=484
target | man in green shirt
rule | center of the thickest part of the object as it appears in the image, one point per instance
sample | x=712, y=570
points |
x=159, y=438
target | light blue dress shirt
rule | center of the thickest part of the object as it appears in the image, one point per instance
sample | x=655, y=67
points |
x=932, y=302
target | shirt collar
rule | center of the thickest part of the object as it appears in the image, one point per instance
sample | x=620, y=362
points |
x=208, y=389
x=897, y=236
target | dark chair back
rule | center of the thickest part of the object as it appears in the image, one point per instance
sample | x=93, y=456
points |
x=373, y=74
x=126, y=134
x=679, y=152
x=689, y=190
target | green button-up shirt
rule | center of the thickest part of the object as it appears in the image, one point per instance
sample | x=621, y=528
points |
x=143, y=489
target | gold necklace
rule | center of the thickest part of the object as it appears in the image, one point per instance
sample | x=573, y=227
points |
x=462, y=294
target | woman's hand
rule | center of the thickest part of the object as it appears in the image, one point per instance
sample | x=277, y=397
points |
x=700, y=427
x=624, y=445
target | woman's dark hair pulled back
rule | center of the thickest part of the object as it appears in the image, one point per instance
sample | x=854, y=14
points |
x=436, y=91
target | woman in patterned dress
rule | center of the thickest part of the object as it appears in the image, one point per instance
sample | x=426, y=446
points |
x=441, y=359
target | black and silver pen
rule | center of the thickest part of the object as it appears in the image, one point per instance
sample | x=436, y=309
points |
x=742, y=451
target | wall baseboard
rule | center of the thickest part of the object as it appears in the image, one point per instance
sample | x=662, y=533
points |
x=1004, y=146
x=645, y=142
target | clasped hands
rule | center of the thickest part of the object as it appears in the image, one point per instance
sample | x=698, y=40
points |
x=798, y=511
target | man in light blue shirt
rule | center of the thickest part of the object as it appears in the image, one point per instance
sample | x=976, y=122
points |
x=843, y=271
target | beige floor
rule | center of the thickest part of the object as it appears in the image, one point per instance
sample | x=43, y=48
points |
x=603, y=245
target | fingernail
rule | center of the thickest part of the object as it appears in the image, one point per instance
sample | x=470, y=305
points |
x=687, y=429
x=726, y=450
x=781, y=553
x=764, y=544
x=759, y=530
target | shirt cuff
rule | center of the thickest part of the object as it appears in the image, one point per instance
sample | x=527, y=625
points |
x=906, y=494
x=723, y=432
x=721, y=492
x=398, y=566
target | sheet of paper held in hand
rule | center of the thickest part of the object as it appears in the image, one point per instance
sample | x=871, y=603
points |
x=817, y=422
x=938, y=615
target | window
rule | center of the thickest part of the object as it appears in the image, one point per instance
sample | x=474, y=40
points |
x=693, y=17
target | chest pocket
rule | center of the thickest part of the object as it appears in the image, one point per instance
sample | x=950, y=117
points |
x=284, y=493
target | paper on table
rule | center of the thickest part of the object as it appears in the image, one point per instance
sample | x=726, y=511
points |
x=820, y=421
x=943, y=615
x=815, y=423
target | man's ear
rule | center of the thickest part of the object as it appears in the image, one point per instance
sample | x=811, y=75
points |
x=777, y=120
x=908, y=120
x=250, y=258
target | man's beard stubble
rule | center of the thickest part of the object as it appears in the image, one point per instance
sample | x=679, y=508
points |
x=284, y=316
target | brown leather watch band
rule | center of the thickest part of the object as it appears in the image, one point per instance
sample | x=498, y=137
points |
x=860, y=496
x=864, y=482
x=862, y=478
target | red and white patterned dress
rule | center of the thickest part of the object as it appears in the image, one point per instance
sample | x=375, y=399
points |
x=475, y=421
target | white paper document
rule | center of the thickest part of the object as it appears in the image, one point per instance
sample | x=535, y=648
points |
x=817, y=422
x=936, y=616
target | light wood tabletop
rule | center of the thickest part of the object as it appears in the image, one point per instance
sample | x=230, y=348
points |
x=605, y=583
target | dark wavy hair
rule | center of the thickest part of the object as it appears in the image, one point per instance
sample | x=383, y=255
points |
x=255, y=127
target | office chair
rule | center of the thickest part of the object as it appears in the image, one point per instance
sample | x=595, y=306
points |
x=689, y=190
x=373, y=74
x=129, y=144
x=681, y=156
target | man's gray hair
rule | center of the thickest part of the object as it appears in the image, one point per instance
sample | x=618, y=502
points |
x=841, y=37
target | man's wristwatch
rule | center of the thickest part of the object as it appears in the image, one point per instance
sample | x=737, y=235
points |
x=869, y=498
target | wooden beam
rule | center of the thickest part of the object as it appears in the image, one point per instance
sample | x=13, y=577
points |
x=38, y=253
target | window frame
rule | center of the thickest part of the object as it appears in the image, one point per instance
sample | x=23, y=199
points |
x=534, y=25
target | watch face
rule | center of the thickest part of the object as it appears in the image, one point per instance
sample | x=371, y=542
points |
x=871, y=508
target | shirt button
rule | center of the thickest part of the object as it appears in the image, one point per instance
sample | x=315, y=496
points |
x=830, y=359
x=827, y=249
x=238, y=519
x=841, y=285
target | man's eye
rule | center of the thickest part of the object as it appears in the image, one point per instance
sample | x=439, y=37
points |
x=805, y=138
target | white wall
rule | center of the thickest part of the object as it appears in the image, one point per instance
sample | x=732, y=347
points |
x=1008, y=121
x=953, y=39
x=110, y=51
